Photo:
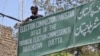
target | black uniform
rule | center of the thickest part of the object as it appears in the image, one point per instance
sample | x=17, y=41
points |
x=33, y=17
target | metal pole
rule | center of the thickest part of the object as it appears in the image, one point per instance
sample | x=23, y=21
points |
x=10, y=17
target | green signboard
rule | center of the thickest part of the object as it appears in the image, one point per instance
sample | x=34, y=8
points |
x=46, y=35
x=87, y=26
x=74, y=27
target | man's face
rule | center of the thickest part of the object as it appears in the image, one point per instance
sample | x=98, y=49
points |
x=33, y=11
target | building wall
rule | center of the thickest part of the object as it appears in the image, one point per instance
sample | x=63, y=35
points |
x=8, y=46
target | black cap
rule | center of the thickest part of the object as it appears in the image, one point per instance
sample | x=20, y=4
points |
x=34, y=7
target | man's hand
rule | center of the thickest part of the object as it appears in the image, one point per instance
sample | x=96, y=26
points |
x=18, y=24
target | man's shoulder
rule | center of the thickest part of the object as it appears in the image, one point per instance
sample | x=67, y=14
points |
x=36, y=16
x=40, y=15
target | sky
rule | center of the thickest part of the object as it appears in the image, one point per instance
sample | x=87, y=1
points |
x=11, y=8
